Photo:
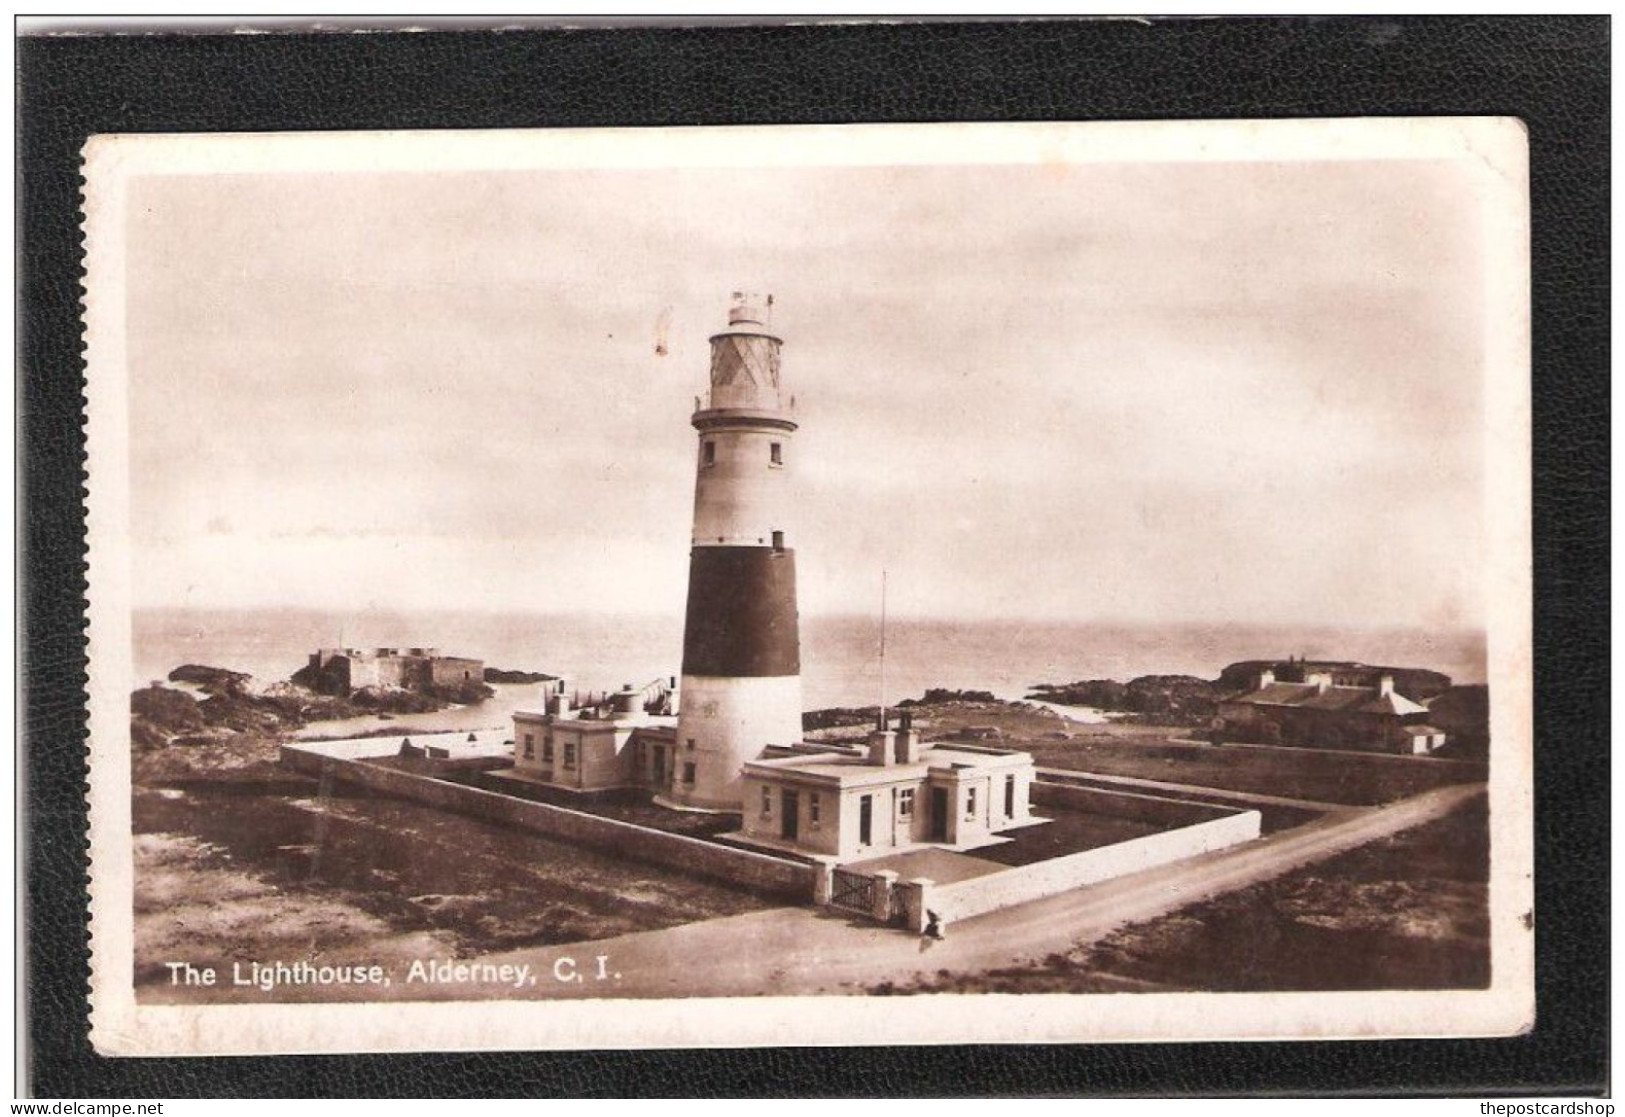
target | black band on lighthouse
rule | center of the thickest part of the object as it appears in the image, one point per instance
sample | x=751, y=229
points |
x=741, y=613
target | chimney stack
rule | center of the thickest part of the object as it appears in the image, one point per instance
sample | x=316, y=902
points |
x=908, y=739
x=1385, y=686
x=1266, y=678
x=882, y=743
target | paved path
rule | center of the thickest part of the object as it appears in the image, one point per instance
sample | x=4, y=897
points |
x=808, y=950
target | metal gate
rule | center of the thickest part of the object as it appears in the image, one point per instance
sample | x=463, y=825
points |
x=852, y=891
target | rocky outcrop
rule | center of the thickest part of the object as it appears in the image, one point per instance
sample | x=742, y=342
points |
x=158, y=715
x=497, y=675
x=232, y=704
x=212, y=680
x=1153, y=699
x=839, y=717
x=935, y=695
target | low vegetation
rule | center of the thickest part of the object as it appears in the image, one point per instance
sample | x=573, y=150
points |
x=1406, y=912
x=227, y=873
x=1352, y=779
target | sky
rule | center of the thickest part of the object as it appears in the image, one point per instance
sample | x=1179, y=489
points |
x=1218, y=392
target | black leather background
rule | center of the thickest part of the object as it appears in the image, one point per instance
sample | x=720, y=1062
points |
x=1553, y=72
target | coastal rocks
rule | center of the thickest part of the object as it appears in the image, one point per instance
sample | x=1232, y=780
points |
x=1176, y=700
x=463, y=694
x=936, y=695
x=839, y=717
x=158, y=715
x=234, y=705
x=497, y=675
x=394, y=700
x=211, y=680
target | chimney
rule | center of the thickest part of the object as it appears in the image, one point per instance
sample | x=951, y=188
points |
x=908, y=739
x=1266, y=678
x=1320, y=680
x=1385, y=686
x=882, y=743
x=559, y=704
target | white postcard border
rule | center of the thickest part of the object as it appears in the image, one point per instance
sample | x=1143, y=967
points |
x=120, y=1026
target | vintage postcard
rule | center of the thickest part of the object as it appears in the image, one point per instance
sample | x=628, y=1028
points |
x=1010, y=583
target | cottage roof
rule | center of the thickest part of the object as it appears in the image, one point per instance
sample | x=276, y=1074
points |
x=1394, y=703
x=1277, y=694
x=1338, y=698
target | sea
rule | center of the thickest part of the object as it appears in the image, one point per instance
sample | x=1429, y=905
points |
x=840, y=655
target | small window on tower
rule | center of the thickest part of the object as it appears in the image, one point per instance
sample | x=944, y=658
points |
x=776, y=453
x=688, y=774
x=709, y=452
x=530, y=746
x=767, y=800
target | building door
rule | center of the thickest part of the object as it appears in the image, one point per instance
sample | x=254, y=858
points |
x=790, y=816
x=1009, y=797
x=939, y=814
x=866, y=820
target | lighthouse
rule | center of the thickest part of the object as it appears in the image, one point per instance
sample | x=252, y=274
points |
x=741, y=683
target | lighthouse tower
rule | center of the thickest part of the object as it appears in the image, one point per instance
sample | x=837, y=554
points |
x=741, y=682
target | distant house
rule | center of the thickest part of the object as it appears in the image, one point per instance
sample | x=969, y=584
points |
x=1320, y=712
x=343, y=670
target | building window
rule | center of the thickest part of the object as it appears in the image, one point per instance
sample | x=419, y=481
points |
x=1009, y=797
x=530, y=746
x=569, y=754
x=688, y=774
x=905, y=803
x=767, y=800
x=708, y=452
x=691, y=744
x=547, y=749
x=775, y=453
x=813, y=812
x=970, y=802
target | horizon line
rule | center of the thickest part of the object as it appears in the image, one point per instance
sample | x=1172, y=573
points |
x=926, y=618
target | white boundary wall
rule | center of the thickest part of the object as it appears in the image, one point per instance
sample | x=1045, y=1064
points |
x=979, y=895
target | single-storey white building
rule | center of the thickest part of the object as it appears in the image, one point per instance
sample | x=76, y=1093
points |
x=900, y=794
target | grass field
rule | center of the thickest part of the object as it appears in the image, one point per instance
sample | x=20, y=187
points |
x=1406, y=912
x=1333, y=777
x=1148, y=752
x=238, y=874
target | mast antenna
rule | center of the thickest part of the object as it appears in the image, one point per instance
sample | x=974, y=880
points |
x=882, y=647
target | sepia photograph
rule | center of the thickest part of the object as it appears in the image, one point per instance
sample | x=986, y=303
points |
x=749, y=586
